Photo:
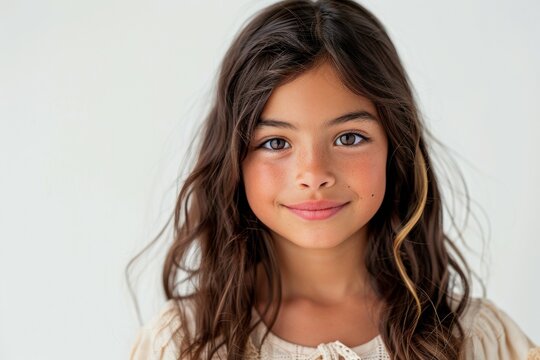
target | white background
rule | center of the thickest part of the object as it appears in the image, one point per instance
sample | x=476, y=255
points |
x=98, y=101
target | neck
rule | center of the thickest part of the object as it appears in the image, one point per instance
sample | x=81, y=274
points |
x=321, y=276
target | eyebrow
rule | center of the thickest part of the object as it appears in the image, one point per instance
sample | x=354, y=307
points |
x=352, y=116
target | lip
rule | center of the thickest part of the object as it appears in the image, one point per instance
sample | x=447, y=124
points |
x=316, y=205
x=316, y=210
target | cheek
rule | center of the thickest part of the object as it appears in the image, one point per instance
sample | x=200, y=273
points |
x=262, y=181
x=367, y=178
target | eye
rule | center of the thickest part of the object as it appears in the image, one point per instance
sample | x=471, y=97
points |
x=274, y=143
x=351, y=139
x=348, y=139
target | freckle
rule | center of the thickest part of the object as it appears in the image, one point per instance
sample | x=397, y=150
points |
x=372, y=195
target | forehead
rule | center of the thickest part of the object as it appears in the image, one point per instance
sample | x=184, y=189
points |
x=314, y=96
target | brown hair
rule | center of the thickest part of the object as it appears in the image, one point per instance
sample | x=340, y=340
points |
x=408, y=257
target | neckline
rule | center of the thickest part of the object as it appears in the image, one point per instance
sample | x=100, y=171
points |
x=361, y=349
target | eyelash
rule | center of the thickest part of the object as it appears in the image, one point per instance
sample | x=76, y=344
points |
x=363, y=137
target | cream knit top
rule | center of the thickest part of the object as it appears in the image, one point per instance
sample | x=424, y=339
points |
x=492, y=335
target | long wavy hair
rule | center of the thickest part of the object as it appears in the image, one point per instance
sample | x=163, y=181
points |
x=413, y=265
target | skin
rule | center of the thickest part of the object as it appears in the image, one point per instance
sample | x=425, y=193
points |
x=326, y=295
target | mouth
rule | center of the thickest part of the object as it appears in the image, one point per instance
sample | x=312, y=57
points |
x=316, y=213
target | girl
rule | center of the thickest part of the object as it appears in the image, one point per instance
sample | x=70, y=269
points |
x=315, y=211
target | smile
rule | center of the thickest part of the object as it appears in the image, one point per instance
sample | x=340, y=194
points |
x=317, y=214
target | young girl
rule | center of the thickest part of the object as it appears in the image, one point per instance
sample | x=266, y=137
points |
x=315, y=212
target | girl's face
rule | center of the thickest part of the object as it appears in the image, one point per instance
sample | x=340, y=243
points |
x=306, y=150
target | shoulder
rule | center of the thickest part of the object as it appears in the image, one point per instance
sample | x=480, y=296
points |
x=158, y=339
x=490, y=333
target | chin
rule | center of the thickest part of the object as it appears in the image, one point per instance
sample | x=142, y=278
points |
x=318, y=240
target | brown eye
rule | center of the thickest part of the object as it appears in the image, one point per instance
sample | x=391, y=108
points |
x=275, y=144
x=351, y=139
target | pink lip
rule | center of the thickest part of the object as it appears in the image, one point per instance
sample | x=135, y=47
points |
x=316, y=210
x=316, y=205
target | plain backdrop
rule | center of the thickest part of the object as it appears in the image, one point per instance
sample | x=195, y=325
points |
x=99, y=100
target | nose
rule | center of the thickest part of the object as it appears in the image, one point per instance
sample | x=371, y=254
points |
x=314, y=169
